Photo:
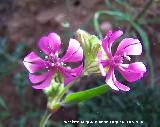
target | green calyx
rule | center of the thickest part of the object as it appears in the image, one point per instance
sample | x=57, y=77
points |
x=54, y=89
x=53, y=104
x=89, y=43
x=91, y=46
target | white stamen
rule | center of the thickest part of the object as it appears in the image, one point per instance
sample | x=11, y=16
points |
x=56, y=54
x=127, y=57
x=62, y=63
x=52, y=64
x=51, y=54
x=46, y=57
x=58, y=64
x=68, y=67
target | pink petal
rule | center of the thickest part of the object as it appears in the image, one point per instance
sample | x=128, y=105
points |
x=119, y=85
x=38, y=78
x=67, y=77
x=101, y=64
x=54, y=42
x=45, y=83
x=113, y=83
x=32, y=68
x=75, y=57
x=109, y=79
x=50, y=44
x=74, y=52
x=44, y=45
x=76, y=71
x=109, y=39
x=132, y=72
x=129, y=46
x=113, y=36
x=70, y=74
x=33, y=58
x=67, y=80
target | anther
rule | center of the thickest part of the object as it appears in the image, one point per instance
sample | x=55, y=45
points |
x=46, y=57
x=52, y=64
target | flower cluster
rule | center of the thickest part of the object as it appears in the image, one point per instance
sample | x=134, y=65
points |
x=42, y=71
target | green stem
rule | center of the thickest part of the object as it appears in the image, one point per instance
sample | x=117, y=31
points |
x=144, y=11
x=66, y=89
x=66, y=20
x=45, y=119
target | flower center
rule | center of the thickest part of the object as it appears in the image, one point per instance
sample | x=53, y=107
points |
x=116, y=60
x=52, y=60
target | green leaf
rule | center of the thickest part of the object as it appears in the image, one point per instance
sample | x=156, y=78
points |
x=22, y=121
x=85, y=95
x=2, y=103
x=3, y=44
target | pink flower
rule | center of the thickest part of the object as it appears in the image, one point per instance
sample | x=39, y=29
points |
x=50, y=45
x=131, y=72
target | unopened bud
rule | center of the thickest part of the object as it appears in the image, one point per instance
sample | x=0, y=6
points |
x=91, y=46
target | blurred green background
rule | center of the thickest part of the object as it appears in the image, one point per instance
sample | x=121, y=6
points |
x=22, y=22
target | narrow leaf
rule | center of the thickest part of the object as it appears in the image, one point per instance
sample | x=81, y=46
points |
x=2, y=103
x=85, y=95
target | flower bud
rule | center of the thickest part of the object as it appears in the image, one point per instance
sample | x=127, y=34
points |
x=89, y=43
x=91, y=46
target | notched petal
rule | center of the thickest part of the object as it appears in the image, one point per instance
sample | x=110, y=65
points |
x=109, y=39
x=43, y=45
x=33, y=58
x=43, y=83
x=132, y=72
x=71, y=74
x=129, y=46
x=109, y=79
x=54, y=42
x=50, y=44
x=38, y=78
x=74, y=52
x=32, y=68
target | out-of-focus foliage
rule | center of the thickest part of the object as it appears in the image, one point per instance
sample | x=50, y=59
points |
x=141, y=104
x=9, y=61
